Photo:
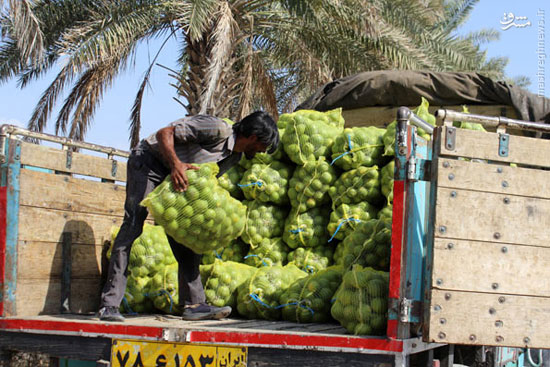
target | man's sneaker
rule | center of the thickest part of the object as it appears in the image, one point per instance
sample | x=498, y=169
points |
x=205, y=312
x=110, y=313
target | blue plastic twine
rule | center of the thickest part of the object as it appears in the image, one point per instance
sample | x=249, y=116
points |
x=127, y=306
x=309, y=269
x=255, y=297
x=263, y=262
x=162, y=291
x=296, y=230
x=345, y=153
x=257, y=183
x=219, y=256
x=342, y=223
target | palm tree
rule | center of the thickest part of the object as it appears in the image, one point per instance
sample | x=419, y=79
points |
x=236, y=55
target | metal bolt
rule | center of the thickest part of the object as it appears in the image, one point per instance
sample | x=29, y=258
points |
x=499, y=339
x=446, y=164
x=437, y=308
x=442, y=229
x=447, y=296
x=504, y=249
x=492, y=311
x=501, y=299
x=494, y=285
x=450, y=246
x=506, y=201
x=472, y=338
x=66, y=179
x=499, y=169
x=453, y=194
x=526, y=340
x=414, y=345
x=65, y=216
x=442, y=321
x=496, y=235
x=451, y=177
x=441, y=335
x=504, y=183
x=439, y=281
x=499, y=323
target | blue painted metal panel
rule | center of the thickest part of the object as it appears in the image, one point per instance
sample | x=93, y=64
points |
x=76, y=363
x=37, y=169
x=417, y=214
x=10, y=178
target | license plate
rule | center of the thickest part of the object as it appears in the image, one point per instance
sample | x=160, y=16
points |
x=134, y=353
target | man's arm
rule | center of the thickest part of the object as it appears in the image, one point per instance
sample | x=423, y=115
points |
x=165, y=138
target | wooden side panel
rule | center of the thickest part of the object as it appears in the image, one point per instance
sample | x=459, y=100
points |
x=491, y=267
x=45, y=225
x=84, y=164
x=489, y=319
x=485, y=145
x=501, y=179
x=43, y=296
x=491, y=255
x=43, y=260
x=483, y=216
x=46, y=190
x=383, y=116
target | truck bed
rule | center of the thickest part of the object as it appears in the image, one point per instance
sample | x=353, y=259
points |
x=84, y=337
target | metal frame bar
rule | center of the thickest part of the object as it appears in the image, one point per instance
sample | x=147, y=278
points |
x=444, y=116
x=10, y=170
x=8, y=130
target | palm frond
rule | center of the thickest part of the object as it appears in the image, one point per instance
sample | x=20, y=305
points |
x=482, y=36
x=26, y=30
x=223, y=37
x=200, y=17
x=456, y=13
x=135, y=117
x=44, y=107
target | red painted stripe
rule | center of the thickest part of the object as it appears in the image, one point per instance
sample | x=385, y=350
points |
x=3, y=213
x=396, y=237
x=103, y=328
x=398, y=218
x=392, y=328
x=268, y=339
x=381, y=344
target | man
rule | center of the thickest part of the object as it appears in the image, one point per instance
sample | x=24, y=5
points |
x=172, y=151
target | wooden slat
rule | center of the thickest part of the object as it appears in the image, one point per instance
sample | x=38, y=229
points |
x=491, y=267
x=53, y=191
x=38, y=224
x=43, y=296
x=383, y=116
x=489, y=319
x=42, y=260
x=482, y=216
x=495, y=178
x=485, y=145
x=83, y=164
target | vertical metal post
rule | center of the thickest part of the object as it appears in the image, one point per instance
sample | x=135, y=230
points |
x=66, y=273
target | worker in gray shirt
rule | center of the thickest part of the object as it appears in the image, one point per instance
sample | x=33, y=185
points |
x=172, y=151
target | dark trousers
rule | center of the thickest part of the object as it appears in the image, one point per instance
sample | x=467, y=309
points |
x=144, y=173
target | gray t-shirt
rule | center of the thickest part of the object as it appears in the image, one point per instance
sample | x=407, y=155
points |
x=200, y=139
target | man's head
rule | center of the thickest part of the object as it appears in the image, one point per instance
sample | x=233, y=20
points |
x=256, y=133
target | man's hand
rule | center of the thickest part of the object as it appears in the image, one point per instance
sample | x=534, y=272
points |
x=179, y=175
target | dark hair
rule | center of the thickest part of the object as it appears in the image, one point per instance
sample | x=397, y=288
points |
x=259, y=123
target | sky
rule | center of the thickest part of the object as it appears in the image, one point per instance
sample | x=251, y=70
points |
x=522, y=26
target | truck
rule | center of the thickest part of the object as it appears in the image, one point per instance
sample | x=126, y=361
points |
x=468, y=274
